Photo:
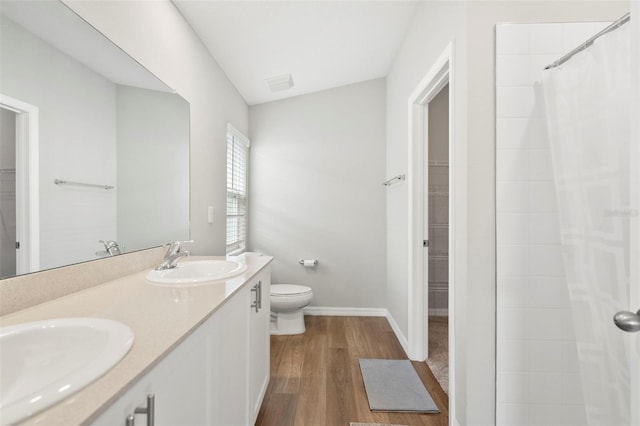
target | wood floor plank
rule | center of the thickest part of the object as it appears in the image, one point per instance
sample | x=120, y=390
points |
x=312, y=401
x=359, y=345
x=337, y=336
x=338, y=381
x=280, y=410
x=359, y=332
x=277, y=346
x=439, y=396
x=316, y=378
x=289, y=369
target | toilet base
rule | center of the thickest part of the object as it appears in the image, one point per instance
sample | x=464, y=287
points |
x=287, y=323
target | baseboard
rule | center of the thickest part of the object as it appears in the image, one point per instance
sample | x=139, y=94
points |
x=399, y=335
x=438, y=312
x=345, y=312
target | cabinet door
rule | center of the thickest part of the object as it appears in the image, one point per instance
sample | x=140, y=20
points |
x=229, y=345
x=259, y=343
x=178, y=384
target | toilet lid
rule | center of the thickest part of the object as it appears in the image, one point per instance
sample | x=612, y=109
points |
x=289, y=289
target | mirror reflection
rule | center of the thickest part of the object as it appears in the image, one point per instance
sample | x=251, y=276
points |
x=94, y=149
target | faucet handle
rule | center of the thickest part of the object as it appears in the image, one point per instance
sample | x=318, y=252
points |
x=111, y=247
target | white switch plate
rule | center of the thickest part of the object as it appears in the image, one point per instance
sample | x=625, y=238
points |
x=210, y=214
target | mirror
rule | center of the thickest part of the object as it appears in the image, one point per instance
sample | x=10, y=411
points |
x=93, y=146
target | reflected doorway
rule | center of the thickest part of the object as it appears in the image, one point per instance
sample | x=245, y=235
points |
x=8, y=236
x=19, y=187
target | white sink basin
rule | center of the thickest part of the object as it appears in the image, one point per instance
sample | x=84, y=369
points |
x=197, y=272
x=44, y=362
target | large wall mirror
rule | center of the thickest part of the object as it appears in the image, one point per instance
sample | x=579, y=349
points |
x=93, y=147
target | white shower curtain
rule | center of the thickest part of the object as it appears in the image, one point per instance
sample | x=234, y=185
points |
x=588, y=112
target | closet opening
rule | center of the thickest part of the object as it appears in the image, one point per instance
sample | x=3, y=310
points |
x=436, y=219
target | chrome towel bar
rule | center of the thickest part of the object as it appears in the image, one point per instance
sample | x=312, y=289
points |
x=394, y=179
x=91, y=185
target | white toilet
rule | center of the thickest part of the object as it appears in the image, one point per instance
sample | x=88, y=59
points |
x=287, y=301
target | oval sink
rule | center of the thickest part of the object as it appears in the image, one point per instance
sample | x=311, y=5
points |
x=197, y=272
x=44, y=362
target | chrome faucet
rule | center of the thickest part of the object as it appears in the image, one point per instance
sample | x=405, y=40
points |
x=111, y=247
x=174, y=252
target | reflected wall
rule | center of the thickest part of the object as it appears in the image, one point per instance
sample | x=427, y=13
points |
x=95, y=126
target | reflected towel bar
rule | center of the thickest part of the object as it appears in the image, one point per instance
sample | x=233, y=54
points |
x=394, y=179
x=91, y=185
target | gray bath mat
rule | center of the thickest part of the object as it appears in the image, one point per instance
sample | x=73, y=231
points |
x=394, y=385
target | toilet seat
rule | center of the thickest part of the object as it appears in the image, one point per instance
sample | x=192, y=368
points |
x=284, y=290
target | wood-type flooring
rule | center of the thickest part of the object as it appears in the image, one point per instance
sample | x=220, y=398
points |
x=316, y=379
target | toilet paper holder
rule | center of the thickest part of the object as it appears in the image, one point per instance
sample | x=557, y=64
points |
x=308, y=262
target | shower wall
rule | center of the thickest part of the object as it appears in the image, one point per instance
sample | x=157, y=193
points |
x=538, y=380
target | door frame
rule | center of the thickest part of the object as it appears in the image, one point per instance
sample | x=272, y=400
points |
x=27, y=183
x=440, y=73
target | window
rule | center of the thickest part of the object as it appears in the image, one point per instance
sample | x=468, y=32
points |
x=237, y=167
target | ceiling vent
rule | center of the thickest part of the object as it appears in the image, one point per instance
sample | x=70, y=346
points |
x=280, y=83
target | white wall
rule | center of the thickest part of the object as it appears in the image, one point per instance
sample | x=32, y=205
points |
x=153, y=199
x=157, y=36
x=435, y=25
x=471, y=26
x=316, y=169
x=72, y=125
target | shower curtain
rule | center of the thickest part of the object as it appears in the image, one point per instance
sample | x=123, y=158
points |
x=588, y=115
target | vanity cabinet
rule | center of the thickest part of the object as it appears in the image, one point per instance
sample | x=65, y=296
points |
x=217, y=376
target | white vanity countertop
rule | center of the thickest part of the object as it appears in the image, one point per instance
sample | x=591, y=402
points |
x=160, y=317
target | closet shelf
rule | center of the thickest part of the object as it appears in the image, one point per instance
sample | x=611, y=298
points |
x=438, y=257
x=438, y=225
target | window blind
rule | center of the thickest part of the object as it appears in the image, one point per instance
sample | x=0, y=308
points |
x=237, y=182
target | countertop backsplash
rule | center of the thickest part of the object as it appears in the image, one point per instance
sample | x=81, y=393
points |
x=27, y=290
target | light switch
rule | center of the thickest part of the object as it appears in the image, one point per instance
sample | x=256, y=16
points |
x=210, y=214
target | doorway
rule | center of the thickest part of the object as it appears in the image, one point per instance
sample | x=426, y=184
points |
x=439, y=81
x=436, y=195
x=7, y=193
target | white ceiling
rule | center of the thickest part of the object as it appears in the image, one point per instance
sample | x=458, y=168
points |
x=322, y=44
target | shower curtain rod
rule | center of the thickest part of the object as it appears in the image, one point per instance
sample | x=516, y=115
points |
x=617, y=24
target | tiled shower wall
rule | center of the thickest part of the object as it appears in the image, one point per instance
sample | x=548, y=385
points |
x=538, y=378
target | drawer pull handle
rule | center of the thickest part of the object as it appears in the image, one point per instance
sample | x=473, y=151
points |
x=149, y=410
x=256, y=303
